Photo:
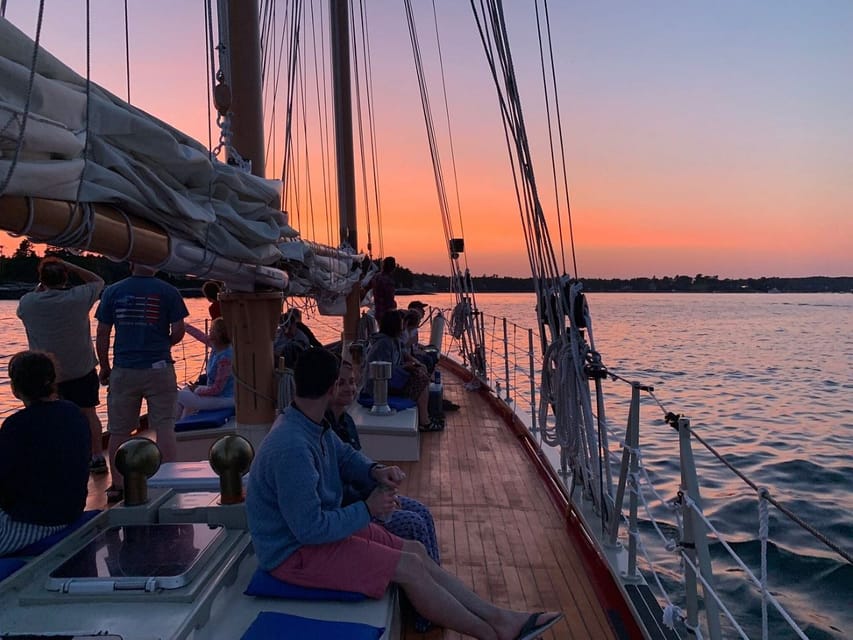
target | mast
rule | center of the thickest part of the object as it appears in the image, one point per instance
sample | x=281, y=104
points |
x=244, y=71
x=339, y=19
x=251, y=317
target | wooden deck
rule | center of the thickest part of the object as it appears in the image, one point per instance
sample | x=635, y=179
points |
x=497, y=528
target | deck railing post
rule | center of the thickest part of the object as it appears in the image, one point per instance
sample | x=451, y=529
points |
x=507, y=397
x=695, y=539
x=629, y=463
x=533, y=427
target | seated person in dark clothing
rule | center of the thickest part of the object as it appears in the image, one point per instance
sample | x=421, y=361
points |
x=412, y=520
x=44, y=456
x=303, y=535
x=289, y=341
x=297, y=317
x=388, y=347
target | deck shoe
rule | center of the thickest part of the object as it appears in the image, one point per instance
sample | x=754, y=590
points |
x=435, y=424
x=447, y=405
x=98, y=465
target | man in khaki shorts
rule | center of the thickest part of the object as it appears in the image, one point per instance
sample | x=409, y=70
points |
x=148, y=317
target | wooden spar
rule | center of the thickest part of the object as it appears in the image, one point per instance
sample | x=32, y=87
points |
x=247, y=125
x=339, y=19
x=114, y=234
x=251, y=317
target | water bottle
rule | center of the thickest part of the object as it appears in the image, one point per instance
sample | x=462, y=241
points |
x=435, y=396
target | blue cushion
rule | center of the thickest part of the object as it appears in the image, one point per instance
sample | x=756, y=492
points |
x=264, y=584
x=269, y=625
x=8, y=566
x=395, y=402
x=40, y=546
x=208, y=419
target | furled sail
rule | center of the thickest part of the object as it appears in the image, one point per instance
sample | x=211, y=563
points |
x=65, y=140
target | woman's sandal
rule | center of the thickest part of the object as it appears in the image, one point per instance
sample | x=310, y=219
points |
x=114, y=494
x=435, y=424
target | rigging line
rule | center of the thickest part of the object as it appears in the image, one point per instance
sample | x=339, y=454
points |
x=127, y=50
x=449, y=127
x=562, y=143
x=293, y=52
x=488, y=49
x=323, y=144
x=428, y=121
x=209, y=63
x=270, y=152
x=356, y=71
x=328, y=148
x=26, y=114
x=267, y=28
x=88, y=102
x=371, y=119
x=550, y=132
x=309, y=192
x=546, y=248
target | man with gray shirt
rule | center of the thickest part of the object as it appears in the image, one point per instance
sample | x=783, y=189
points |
x=56, y=318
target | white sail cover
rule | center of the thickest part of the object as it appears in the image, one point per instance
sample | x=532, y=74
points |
x=125, y=157
x=132, y=160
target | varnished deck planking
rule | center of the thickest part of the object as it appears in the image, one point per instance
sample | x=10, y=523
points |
x=497, y=528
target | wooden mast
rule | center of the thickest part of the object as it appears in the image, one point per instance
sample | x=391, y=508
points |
x=251, y=317
x=339, y=19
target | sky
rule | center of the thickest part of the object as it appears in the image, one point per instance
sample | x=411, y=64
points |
x=712, y=138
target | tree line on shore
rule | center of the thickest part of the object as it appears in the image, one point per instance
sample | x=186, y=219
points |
x=18, y=272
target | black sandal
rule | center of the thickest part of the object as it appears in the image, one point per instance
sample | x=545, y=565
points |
x=114, y=494
x=433, y=425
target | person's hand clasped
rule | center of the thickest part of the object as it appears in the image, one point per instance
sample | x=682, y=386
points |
x=391, y=476
x=382, y=502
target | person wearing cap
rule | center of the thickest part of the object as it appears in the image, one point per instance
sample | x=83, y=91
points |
x=290, y=341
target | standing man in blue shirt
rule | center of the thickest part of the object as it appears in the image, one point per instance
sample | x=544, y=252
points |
x=148, y=317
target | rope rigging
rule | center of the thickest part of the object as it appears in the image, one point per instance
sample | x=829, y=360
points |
x=465, y=323
x=565, y=327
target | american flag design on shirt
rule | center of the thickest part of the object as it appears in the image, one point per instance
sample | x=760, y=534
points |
x=138, y=310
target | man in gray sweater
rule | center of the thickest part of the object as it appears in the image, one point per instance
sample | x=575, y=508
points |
x=302, y=534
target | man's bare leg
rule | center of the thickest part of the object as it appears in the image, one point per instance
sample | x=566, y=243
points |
x=445, y=600
x=95, y=431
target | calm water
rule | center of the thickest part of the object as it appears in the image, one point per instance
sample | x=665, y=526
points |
x=767, y=379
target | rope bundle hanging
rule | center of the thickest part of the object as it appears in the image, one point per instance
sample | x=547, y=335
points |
x=562, y=314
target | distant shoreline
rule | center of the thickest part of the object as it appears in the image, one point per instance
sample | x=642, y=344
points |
x=17, y=290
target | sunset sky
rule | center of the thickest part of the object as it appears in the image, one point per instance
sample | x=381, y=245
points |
x=712, y=138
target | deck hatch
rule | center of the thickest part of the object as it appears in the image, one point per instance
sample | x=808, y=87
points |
x=138, y=557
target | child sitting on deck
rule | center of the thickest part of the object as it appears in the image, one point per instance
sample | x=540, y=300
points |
x=303, y=535
x=44, y=457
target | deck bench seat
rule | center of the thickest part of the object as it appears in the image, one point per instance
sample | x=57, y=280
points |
x=194, y=434
x=393, y=437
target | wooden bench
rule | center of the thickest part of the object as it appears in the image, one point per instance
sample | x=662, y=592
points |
x=394, y=437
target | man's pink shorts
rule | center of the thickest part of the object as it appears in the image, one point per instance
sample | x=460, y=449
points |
x=365, y=562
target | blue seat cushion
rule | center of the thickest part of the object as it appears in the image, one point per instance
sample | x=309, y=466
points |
x=395, y=402
x=264, y=584
x=208, y=419
x=40, y=546
x=269, y=625
x=8, y=566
